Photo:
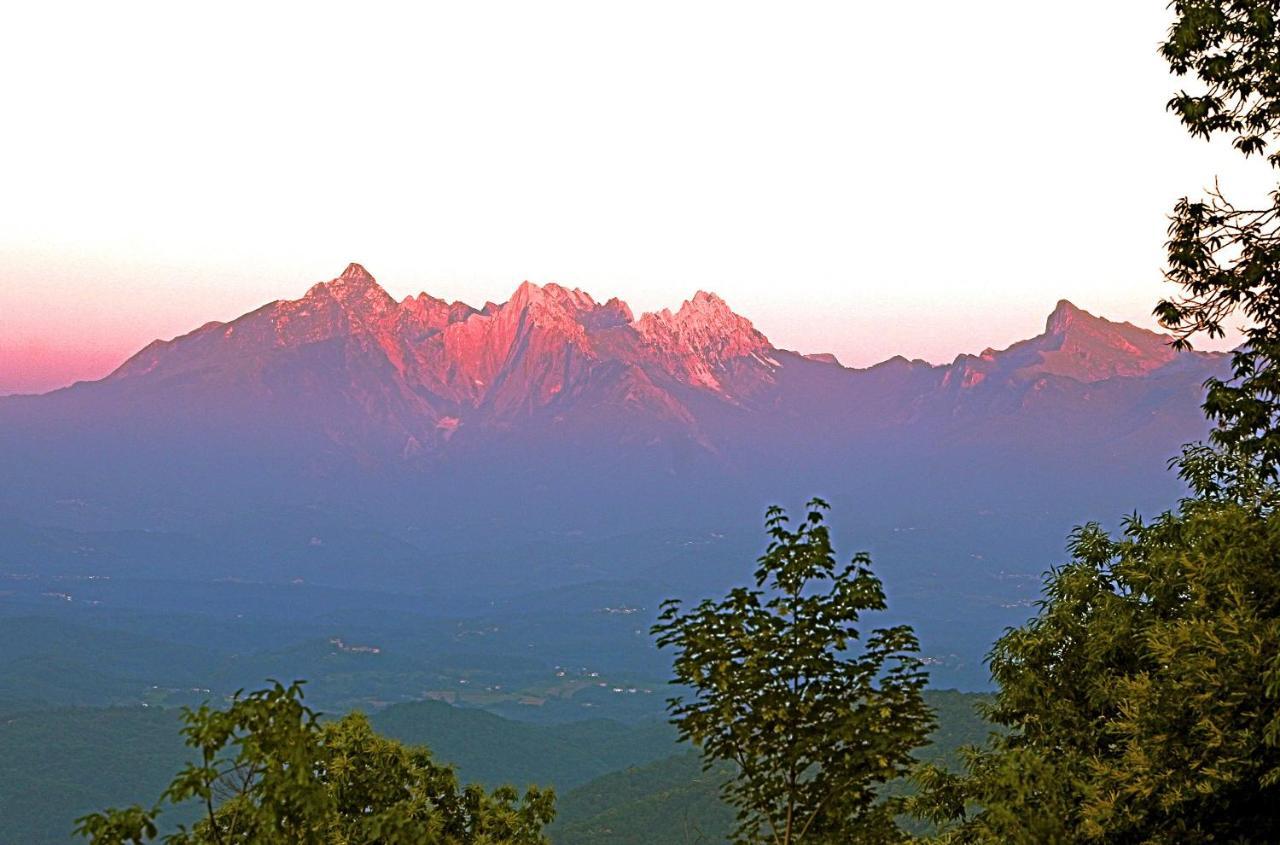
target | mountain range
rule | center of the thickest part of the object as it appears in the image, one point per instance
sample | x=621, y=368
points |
x=347, y=438
x=361, y=377
x=401, y=379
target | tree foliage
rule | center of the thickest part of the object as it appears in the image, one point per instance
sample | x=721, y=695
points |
x=270, y=772
x=1225, y=257
x=812, y=725
x=1144, y=698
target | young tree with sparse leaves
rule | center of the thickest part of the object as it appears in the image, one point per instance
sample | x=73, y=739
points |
x=813, y=724
x=270, y=773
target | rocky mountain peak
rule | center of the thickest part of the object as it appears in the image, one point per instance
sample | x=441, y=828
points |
x=428, y=311
x=354, y=290
x=704, y=326
x=1089, y=348
x=552, y=296
x=357, y=274
x=1063, y=316
x=696, y=342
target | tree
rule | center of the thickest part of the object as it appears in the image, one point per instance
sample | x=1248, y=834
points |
x=270, y=772
x=1143, y=701
x=812, y=728
x=1226, y=258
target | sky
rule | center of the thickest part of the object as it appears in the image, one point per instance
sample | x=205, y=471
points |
x=921, y=179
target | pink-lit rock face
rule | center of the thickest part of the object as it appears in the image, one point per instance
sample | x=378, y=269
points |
x=432, y=367
x=1075, y=345
x=702, y=337
x=1088, y=348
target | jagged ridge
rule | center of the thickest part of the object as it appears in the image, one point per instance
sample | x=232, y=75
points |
x=422, y=369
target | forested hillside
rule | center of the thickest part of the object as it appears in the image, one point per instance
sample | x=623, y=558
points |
x=617, y=783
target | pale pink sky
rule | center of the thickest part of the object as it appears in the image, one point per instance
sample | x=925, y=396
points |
x=846, y=188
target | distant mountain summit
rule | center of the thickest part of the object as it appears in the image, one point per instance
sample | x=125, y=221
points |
x=1088, y=348
x=1075, y=345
